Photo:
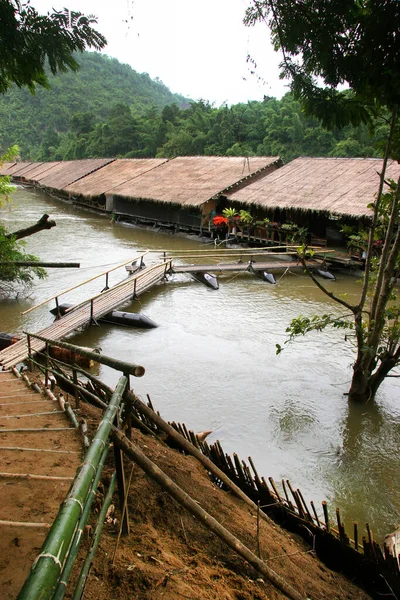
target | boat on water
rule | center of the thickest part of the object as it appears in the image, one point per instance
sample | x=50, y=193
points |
x=264, y=275
x=325, y=274
x=209, y=279
x=116, y=317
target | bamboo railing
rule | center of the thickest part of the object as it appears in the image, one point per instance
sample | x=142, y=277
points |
x=374, y=569
x=85, y=313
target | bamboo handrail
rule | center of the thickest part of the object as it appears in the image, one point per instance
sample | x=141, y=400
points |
x=239, y=250
x=84, y=282
x=47, y=567
x=76, y=542
x=132, y=277
x=264, y=254
x=103, y=359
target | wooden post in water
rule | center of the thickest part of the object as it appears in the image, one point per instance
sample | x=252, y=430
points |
x=75, y=380
x=356, y=535
x=326, y=516
x=46, y=372
x=29, y=353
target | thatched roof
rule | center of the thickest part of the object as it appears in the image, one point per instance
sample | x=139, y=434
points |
x=341, y=186
x=36, y=170
x=118, y=172
x=63, y=173
x=192, y=180
x=13, y=168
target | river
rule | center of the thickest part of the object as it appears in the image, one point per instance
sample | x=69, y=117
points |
x=211, y=363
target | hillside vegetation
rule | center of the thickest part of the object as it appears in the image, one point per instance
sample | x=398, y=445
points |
x=108, y=109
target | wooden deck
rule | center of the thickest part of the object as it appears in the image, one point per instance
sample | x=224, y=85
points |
x=40, y=451
x=272, y=265
x=89, y=310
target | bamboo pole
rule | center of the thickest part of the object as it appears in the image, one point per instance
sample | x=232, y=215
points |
x=44, y=401
x=76, y=542
x=20, y=449
x=39, y=414
x=37, y=429
x=33, y=476
x=80, y=586
x=83, y=283
x=140, y=275
x=47, y=566
x=25, y=524
x=326, y=516
x=250, y=251
x=46, y=265
x=118, y=365
x=142, y=408
x=153, y=471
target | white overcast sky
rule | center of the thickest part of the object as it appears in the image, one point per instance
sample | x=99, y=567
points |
x=197, y=49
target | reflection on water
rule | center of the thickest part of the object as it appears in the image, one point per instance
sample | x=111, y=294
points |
x=212, y=364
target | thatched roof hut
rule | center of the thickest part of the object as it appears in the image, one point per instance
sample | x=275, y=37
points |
x=61, y=174
x=338, y=186
x=118, y=172
x=32, y=172
x=191, y=181
x=13, y=168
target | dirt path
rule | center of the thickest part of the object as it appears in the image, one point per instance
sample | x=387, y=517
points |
x=36, y=439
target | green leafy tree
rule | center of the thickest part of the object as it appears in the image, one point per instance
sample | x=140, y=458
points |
x=12, y=274
x=356, y=43
x=28, y=40
x=11, y=251
x=6, y=188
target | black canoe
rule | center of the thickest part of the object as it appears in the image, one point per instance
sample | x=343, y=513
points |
x=325, y=274
x=264, y=275
x=208, y=279
x=116, y=317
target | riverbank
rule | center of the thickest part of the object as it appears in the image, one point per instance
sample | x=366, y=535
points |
x=170, y=555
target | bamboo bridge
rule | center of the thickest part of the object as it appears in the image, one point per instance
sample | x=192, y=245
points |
x=88, y=311
x=141, y=280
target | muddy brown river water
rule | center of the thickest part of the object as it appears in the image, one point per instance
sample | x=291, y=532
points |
x=211, y=363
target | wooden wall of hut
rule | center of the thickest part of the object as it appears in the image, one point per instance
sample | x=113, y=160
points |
x=172, y=214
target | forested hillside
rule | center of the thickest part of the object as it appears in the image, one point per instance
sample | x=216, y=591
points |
x=108, y=109
x=37, y=121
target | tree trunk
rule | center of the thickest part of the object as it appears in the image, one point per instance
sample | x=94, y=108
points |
x=386, y=365
x=43, y=223
x=365, y=383
x=360, y=389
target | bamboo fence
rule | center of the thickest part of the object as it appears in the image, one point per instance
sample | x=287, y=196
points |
x=359, y=557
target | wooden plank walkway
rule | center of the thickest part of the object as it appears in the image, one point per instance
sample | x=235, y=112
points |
x=84, y=313
x=271, y=265
x=40, y=451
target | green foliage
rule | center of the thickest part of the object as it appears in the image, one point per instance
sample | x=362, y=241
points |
x=230, y=212
x=326, y=44
x=302, y=325
x=336, y=42
x=76, y=118
x=5, y=182
x=28, y=40
x=246, y=217
x=11, y=274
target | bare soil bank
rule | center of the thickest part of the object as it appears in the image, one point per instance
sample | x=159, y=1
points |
x=170, y=555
